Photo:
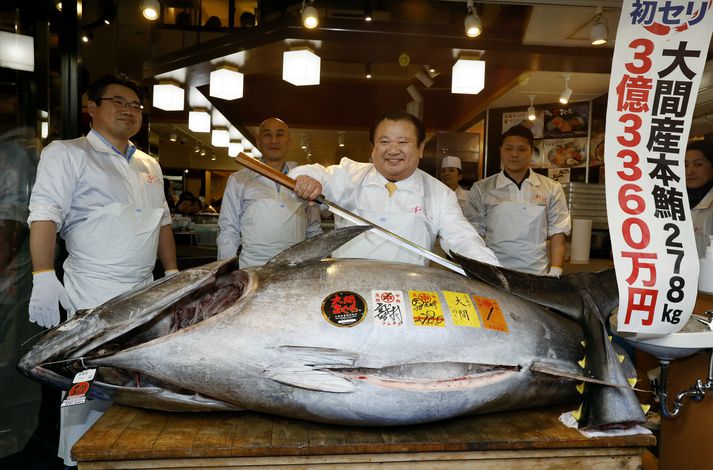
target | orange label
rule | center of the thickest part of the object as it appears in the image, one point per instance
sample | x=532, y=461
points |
x=490, y=313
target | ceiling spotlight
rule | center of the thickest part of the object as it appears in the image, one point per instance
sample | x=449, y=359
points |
x=58, y=5
x=473, y=26
x=87, y=36
x=531, y=110
x=340, y=138
x=368, y=11
x=567, y=92
x=599, y=31
x=310, y=18
x=304, y=141
x=368, y=70
x=196, y=148
x=202, y=152
x=212, y=156
x=172, y=137
x=150, y=9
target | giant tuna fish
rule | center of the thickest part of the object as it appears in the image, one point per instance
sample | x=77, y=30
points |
x=348, y=341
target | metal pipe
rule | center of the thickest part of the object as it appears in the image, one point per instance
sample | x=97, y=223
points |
x=696, y=393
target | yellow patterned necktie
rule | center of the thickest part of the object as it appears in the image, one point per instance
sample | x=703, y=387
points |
x=391, y=187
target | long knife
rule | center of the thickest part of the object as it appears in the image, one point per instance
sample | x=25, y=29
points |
x=284, y=180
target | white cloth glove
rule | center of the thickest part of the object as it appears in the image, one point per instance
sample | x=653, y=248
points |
x=555, y=271
x=47, y=293
x=170, y=272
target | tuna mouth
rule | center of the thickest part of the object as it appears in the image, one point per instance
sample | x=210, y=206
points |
x=442, y=376
x=177, y=312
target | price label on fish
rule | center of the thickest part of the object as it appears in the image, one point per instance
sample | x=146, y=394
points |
x=426, y=308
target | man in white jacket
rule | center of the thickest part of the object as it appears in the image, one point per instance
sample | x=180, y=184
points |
x=105, y=198
x=393, y=193
x=261, y=215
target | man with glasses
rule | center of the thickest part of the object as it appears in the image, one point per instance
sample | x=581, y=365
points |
x=393, y=193
x=105, y=198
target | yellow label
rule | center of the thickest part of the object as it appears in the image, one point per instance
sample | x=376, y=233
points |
x=426, y=308
x=490, y=313
x=462, y=309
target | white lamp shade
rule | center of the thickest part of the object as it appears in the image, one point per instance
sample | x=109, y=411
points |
x=226, y=83
x=220, y=138
x=598, y=34
x=301, y=67
x=17, y=51
x=566, y=95
x=168, y=96
x=234, y=148
x=199, y=121
x=468, y=77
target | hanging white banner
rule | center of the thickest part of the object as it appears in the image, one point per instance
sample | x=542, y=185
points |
x=659, y=56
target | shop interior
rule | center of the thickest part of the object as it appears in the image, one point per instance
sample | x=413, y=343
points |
x=403, y=56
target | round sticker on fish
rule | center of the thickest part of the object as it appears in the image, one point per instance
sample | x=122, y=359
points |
x=344, y=308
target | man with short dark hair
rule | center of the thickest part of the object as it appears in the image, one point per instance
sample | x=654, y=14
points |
x=518, y=210
x=393, y=193
x=105, y=198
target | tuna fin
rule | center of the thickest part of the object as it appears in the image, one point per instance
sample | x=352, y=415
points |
x=308, y=368
x=318, y=247
x=547, y=369
x=562, y=294
x=311, y=379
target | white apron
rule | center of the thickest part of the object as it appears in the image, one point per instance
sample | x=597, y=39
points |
x=517, y=234
x=110, y=253
x=269, y=227
x=413, y=227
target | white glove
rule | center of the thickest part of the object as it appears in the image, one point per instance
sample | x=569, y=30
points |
x=555, y=271
x=47, y=293
x=170, y=272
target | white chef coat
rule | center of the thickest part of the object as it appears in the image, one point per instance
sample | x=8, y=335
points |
x=109, y=208
x=516, y=222
x=431, y=207
x=462, y=195
x=262, y=215
x=702, y=217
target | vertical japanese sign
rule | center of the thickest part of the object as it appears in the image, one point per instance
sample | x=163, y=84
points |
x=660, y=53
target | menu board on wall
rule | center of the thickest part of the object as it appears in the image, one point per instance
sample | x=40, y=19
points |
x=516, y=118
x=564, y=153
x=571, y=121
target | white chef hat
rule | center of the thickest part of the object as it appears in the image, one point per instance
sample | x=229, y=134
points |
x=451, y=162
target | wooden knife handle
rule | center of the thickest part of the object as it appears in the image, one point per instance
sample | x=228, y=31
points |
x=265, y=170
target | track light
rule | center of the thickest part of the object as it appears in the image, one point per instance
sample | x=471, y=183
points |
x=172, y=137
x=150, y=9
x=304, y=142
x=340, y=138
x=599, y=31
x=368, y=70
x=531, y=110
x=567, y=92
x=87, y=36
x=473, y=25
x=196, y=148
x=368, y=11
x=310, y=18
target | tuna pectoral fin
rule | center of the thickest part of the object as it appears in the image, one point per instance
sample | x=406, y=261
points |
x=318, y=247
x=544, y=368
x=311, y=379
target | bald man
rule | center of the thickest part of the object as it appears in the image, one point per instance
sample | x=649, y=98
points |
x=259, y=214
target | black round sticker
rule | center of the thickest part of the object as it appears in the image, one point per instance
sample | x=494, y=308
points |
x=344, y=308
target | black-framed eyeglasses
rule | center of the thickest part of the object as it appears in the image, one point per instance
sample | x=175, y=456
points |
x=135, y=105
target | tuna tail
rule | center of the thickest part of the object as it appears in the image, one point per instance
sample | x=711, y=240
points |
x=605, y=406
x=318, y=247
x=586, y=298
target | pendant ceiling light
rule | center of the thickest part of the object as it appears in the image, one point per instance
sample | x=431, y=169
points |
x=310, y=18
x=234, y=148
x=17, y=51
x=598, y=33
x=150, y=9
x=301, y=67
x=226, y=83
x=168, y=96
x=531, y=110
x=468, y=76
x=220, y=137
x=567, y=92
x=199, y=120
x=473, y=25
